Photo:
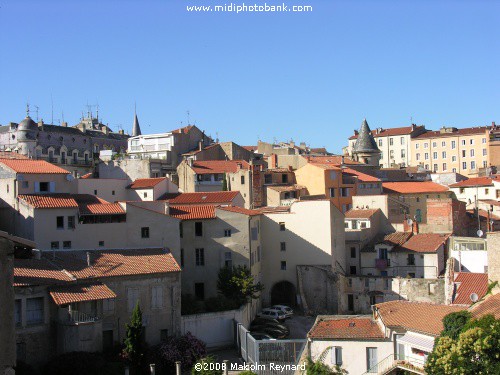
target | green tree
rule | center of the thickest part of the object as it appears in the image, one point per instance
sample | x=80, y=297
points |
x=454, y=323
x=475, y=351
x=238, y=284
x=135, y=348
x=224, y=183
x=318, y=367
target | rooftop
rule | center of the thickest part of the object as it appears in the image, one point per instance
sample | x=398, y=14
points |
x=467, y=283
x=65, y=294
x=193, y=212
x=335, y=160
x=360, y=213
x=380, y=132
x=86, y=203
x=475, y=181
x=421, y=317
x=282, y=188
x=239, y=210
x=453, y=133
x=344, y=328
x=219, y=166
x=424, y=242
x=490, y=305
x=29, y=166
x=145, y=183
x=216, y=197
x=363, y=177
x=413, y=187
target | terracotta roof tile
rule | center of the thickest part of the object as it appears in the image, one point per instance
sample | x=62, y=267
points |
x=49, y=200
x=346, y=328
x=86, y=203
x=281, y=188
x=360, y=213
x=216, y=197
x=193, y=212
x=11, y=155
x=335, y=160
x=396, y=238
x=424, y=242
x=490, y=305
x=464, y=131
x=87, y=175
x=37, y=272
x=30, y=166
x=101, y=209
x=419, y=317
x=467, y=283
x=240, y=210
x=145, y=183
x=184, y=130
x=475, y=181
x=65, y=294
x=413, y=187
x=219, y=166
x=363, y=177
x=483, y=214
x=391, y=132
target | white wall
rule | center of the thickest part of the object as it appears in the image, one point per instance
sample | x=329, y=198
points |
x=471, y=260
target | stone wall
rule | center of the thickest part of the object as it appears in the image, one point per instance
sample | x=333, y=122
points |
x=493, y=239
x=318, y=289
x=7, y=336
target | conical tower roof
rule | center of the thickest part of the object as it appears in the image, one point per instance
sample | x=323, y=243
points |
x=365, y=141
x=136, y=130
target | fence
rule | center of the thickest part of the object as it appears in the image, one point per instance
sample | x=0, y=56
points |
x=266, y=356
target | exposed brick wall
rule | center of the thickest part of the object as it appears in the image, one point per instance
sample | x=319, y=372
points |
x=493, y=239
x=446, y=216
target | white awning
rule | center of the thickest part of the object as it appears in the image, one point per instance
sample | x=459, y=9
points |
x=417, y=341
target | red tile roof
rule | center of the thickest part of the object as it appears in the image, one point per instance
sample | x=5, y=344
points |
x=216, y=197
x=87, y=175
x=239, y=210
x=464, y=131
x=219, y=166
x=467, y=283
x=475, y=181
x=37, y=272
x=11, y=155
x=30, y=166
x=281, y=188
x=251, y=148
x=363, y=177
x=335, y=160
x=145, y=183
x=419, y=317
x=391, y=132
x=396, y=238
x=360, y=213
x=490, y=305
x=346, y=328
x=86, y=203
x=184, y=130
x=193, y=212
x=413, y=187
x=484, y=214
x=65, y=294
x=424, y=242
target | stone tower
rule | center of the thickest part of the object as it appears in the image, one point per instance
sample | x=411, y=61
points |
x=365, y=149
x=136, y=129
x=26, y=136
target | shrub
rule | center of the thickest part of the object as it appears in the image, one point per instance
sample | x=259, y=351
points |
x=189, y=305
x=187, y=349
x=220, y=303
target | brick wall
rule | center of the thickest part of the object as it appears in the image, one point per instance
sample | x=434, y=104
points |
x=446, y=216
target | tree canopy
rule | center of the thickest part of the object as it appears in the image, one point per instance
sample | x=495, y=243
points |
x=238, y=284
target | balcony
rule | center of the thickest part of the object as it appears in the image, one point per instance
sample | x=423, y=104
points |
x=397, y=361
x=74, y=317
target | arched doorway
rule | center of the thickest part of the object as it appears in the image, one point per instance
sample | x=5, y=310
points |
x=283, y=293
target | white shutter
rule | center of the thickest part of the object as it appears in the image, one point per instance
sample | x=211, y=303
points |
x=37, y=187
x=52, y=187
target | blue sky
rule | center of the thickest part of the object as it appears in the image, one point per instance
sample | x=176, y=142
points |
x=309, y=77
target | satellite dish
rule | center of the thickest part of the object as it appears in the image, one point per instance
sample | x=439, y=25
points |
x=69, y=177
x=474, y=297
x=479, y=233
x=409, y=222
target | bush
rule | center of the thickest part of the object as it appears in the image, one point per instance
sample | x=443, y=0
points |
x=187, y=349
x=82, y=363
x=189, y=305
x=454, y=323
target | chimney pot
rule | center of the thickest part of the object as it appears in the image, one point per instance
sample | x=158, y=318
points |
x=88, y=259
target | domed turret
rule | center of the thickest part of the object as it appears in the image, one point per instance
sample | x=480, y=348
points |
x=365, y=149
x=27, y=129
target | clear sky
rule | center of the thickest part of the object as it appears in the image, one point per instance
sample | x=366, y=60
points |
x=309, y=77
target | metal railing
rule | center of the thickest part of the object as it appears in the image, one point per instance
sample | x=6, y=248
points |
x=76, y=317
x=393, y=361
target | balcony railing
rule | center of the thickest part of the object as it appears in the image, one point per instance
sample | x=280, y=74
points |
x=77, y=317
x=393, y=361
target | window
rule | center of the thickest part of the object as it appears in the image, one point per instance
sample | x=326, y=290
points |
x=483, y=140
x=34, y=310
x=426, y=145
x=471, y=141
x=417, y=145
x=464, y=165
x=435, y=155
x=484, y=152
x=108, y=306
x=454, y=170
x=54, y=245
x=60, y=222
x=391, y=141
x=434, y=144
x=283, y=265
x=71, y=222
x=66, y=244
x=349, y=281
x=453, y=144
x=198, y=228
x=243, y=180
x=472, y=152
x=332, y=193
x=435, y=167
x=43, y=187
x=132, y=298
x=402, y=140
x=426, y=156
x=268, y=179
x=386, y=284
x=157, y=297
x=382, y=253
x=282, y=226
x=464, y=153
x=367, y=282
x=418, y=215
x=352, y=270
x=182, y=257
x=200, y=257
x=344, y=192
x=444, y=167
x=284, y=178
x=418, y=156
x=283, y=246
x=391, y=154
x=411, y=274
x=472, y=165
x=228, y=259
x=443, y=154
x=486, y=191
x=443, y=144
x=411, y=259
x=463, y=142
x=145, y=194
x=337, y=352
x=353, y=252
x=95, y=192
x=350, y=302
x=254, y=233
x=371, y=359
x=145, y=232
x=112, y=192
x=453, y=158
x=199, y=291
x=380, y=142
x=403, y=153
x=101, y=243
x=18, y=312
x=227, y=232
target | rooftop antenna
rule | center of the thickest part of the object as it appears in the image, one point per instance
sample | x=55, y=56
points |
x=62, y=115
x=188, y=113
x=52, y=109
x=97, y=111
x=27, y=109
x=36, y=113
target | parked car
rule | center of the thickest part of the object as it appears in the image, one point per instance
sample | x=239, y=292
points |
x=259, y=325
x=284, y=309
x=275, y=332
x=271, y=314
x=261, y=336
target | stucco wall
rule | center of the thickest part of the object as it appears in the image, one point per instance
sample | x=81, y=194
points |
x=7, y=337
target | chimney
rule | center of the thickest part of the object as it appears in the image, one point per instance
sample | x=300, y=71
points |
x=121, y=131
x=342, y=160
x=200, y=145
x=88, y=258
x=64, y=124
x=290, y=168
x=414, y=229
x=105, y=129
x=292, y=144
x=413, y=127
x=355, y=132
x=40, y=123
x=84, y=128
x=167, y=208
